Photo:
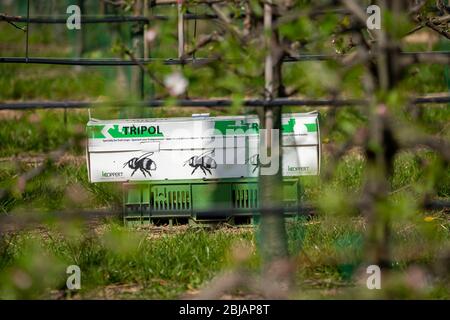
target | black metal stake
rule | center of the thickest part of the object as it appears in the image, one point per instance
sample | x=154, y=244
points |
x=28, y=29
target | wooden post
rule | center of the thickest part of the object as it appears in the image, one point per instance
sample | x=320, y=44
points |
x=180, y=28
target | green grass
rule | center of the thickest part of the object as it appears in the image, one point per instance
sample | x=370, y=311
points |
x=37, y=132
x=327, y=252
x=165, y=267
x=64, y=186
x=18, y=82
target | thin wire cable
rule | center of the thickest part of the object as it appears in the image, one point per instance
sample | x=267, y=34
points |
x=177, y=61
x=86, y=19
x=316, y=103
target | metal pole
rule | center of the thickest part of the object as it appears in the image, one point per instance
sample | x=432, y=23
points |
x=28, y=29
x=145, y=29
x=145, y=48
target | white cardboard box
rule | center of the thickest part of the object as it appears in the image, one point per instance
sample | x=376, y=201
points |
x=196, y=148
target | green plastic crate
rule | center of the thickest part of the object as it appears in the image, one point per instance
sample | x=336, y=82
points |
x=187, y=199
x=165, y=198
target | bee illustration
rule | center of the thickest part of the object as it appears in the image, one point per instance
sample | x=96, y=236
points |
x=143, y=163
x=203, y=161
x=254, y=161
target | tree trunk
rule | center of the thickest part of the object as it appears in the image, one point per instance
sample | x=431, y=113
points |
x=273, y=233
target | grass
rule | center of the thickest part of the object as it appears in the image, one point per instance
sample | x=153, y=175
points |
x=49, y=83
x=165, y=267
x=114, y=259
x=63, y=186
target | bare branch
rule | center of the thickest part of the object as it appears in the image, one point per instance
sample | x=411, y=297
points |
x=4, y=17
x=435, y=24
x=204, y=41
x=356, y=10
x=130, y=54
x=438, y=58
x=226, y=21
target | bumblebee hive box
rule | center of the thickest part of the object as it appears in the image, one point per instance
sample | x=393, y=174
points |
x=196, y=148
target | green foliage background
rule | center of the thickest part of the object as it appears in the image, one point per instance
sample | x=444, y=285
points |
x=328, y=249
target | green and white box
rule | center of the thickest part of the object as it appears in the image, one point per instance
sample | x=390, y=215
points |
x=196, y=148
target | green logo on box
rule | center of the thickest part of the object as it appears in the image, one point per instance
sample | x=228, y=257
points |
x=289, y=127
x=225, y=126
x=102, y=132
